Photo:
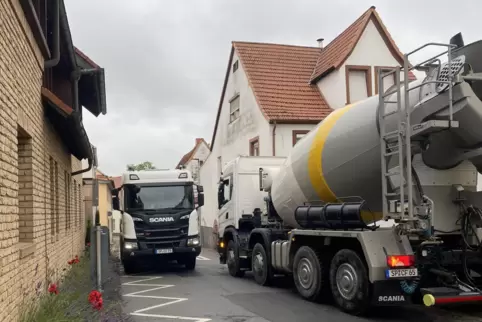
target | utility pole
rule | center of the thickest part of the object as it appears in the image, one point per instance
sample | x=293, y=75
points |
x=96, y=218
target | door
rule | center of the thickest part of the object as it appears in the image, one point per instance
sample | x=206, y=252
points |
x=225, y=204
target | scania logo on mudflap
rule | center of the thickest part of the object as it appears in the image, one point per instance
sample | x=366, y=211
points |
x=161, y=219
x=391, y=298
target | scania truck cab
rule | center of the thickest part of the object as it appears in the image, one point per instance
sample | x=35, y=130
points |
x=159, y=217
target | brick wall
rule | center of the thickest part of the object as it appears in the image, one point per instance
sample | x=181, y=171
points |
x=41, y=208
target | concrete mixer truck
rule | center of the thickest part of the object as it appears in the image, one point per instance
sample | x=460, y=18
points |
x=378, y=204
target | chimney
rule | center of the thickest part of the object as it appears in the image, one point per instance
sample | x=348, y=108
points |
x=198, y=140
x=320, y=42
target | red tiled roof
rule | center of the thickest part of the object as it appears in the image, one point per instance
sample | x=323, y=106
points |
x=188, y=156
x=279, y=77
x=339, y=49
x=117, y=181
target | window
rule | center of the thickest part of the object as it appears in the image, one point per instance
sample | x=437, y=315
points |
x=388, y=81
x=159, y=197
x=235, y=66
x=67, y=200
x=52, y=195
x=225, y=191
x=298, y=134
x=201, y=163
x=76, y=202
x=234, y=108
x=79, y=196
x=358, y=83
x=254, y=146
x=25, y=186
x=57, y=199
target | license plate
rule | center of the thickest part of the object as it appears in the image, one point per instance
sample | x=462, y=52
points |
x=164, y=251
x=402, y=272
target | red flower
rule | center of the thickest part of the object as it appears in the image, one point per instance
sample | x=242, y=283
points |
x=70, y=262
x=53, y=289
x=98, y=304
x=94, y=296
x=88, y=244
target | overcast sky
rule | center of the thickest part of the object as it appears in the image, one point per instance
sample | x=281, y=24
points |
x=165, y=60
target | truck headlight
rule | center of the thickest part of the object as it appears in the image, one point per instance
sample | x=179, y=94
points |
x=193, y=241
x=130, y=245
x=184, y=217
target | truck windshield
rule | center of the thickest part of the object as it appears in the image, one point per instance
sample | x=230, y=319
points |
x=159, y=197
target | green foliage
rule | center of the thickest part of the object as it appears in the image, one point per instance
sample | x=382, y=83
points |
x=147, y=165
x=71, y=303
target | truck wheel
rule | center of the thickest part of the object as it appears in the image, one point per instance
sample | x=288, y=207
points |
x=263, y=274
x=190, y=262
x=232, y=259
x=309, y=274
x=349, y=282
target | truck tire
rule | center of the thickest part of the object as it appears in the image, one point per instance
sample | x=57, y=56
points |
x=189, y=262
x=232, y=259
x=349, y=282
x=309, y=274
x=263, y=274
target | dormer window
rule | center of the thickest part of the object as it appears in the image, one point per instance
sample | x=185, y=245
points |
x=358, y=83
x=235, y=66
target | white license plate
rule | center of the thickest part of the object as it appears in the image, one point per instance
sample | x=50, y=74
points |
x=164, y=251
x=402, y=272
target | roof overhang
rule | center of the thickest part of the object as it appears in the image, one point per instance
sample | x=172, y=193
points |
x=92, y=85
x=68, y=124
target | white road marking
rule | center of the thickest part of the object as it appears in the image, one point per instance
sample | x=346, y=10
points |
x=171, y=300
x=202, y=258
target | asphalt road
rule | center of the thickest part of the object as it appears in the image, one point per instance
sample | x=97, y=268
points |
x=210, y=294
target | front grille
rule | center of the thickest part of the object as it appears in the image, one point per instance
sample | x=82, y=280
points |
x=162, y=237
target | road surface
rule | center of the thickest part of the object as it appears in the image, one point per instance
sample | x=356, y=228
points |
x=210, y=294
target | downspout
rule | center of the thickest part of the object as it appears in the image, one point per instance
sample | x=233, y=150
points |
x=274, y=138
x=83, y=170
x=75, y=76
x=55, y=53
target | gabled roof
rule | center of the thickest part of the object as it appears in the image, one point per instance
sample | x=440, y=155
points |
x=188, y=156
x=279, y=77
x=339, y=49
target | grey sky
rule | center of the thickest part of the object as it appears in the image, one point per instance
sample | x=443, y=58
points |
x=165, y=60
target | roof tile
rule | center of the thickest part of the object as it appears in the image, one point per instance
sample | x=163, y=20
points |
x=279, y=76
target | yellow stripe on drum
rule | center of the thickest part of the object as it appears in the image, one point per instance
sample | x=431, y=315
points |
x=315, y=163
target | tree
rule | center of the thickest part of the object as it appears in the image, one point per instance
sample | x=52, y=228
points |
x=147, y=165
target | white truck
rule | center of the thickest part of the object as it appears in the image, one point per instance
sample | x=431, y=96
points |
x=346, y=214
x=159, y=217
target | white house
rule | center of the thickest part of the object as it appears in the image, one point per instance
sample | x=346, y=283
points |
x=194, y=159
x=274, y=94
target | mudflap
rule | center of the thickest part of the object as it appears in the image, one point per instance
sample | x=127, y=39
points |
x=390, y=293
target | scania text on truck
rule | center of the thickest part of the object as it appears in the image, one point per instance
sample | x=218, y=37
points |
x=160, y=219
x=378, y=204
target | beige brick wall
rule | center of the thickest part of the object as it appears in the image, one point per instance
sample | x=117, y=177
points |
x=40, y=230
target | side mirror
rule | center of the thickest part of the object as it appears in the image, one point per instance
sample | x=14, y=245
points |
x=115, y=203
x=200, y=196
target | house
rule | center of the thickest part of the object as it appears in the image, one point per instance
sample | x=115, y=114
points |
x=274, y=94
x=46, y=85
x=194, y=159
x=105, y=184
